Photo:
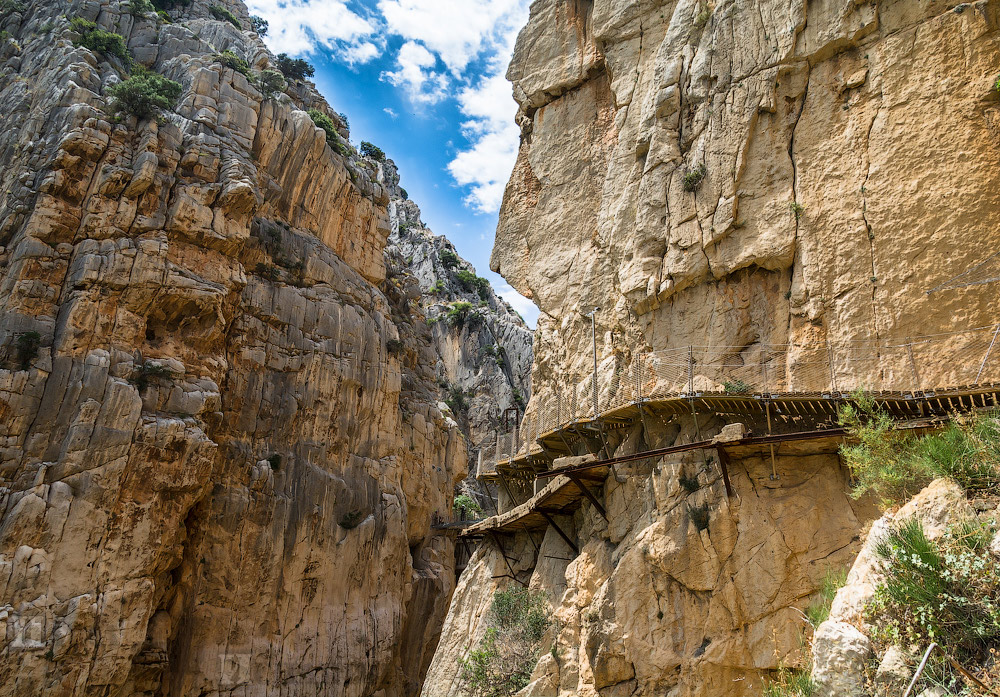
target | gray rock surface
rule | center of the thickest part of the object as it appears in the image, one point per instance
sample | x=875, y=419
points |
x=220, y=466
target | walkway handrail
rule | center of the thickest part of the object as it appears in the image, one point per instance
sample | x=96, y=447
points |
x=916, y=366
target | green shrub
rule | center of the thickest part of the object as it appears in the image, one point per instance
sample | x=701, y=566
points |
x=893, y=465
x=259, y=25
x=165, y=5
x=694, y=177
x=274, y=460
x=689, y=483
x=224, y=15
x=231, y=60
x=699, y=516
x=501, y=664
x=448, y=258
x=464, y=502
x=343, y=118
x=737, y=386
x=97, y=40
x=140, y=8
x=459, y=313
x=456, y=400
x=9, y=7
x=437, y=287
x=945, y=590
x=351, y=519
x=518, y=397
x=403, y=194
x=326, y=123
x=26, y=348
x=145, y=93
x=271, y=83
x=394, y=346
x=819, y=610
x=267, y=271
x=149, y=371
x=372, y=151
x=294, y=68
x=797, y=209
x=471, y=282
x=785, y=682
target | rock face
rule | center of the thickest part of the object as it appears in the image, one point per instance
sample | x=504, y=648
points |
x=658, y=603
x=727, y=174
x=839, y=648
x=220, y=464
x=855, y=112
x=484, y=367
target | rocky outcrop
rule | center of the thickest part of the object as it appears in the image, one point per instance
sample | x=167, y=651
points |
x=734, y=173
x=727, y=174
x=221, y=449
x=484, y=366
x=840, y=649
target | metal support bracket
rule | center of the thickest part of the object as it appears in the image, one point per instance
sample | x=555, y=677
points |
x=589, y=494
x=545, y=514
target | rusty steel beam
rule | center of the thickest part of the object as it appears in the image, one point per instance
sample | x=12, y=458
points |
x=699, y=445
x=588, y=493
x=566, y=539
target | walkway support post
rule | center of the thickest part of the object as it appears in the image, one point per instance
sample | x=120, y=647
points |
x=833, y=371
x=913, y=368
x=983, y=364
x=690, y=371
x=593, y=337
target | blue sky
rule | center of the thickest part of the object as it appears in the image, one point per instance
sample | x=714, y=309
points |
x=423, y=80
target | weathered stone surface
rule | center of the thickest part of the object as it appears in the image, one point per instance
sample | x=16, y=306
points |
x=653, y=604
x=255, y=519
x=839, y=654
x=939, y=505
x=819, y=144
x=837, y=107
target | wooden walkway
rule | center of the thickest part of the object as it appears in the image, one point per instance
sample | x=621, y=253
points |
x=764, y=414
x=570, y=484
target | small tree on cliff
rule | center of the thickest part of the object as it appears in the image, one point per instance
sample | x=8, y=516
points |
x=502, y=662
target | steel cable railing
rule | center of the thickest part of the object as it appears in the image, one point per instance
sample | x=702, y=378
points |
x=915, y=366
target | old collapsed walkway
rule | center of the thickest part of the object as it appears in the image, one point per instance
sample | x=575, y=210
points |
x=770, y=418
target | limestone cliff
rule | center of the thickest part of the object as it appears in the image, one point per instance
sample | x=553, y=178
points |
x=484, y=347
x=221, y=449
x=726, y=174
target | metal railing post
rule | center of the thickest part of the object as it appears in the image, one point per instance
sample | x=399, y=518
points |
x=983, y=364
x=638, y=377
x=690, y=370
x=913, y=367
x=833, y=371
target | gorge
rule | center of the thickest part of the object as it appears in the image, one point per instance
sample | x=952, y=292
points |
x=242, y=383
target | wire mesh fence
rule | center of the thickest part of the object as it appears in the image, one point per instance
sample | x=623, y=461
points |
x=915, y=365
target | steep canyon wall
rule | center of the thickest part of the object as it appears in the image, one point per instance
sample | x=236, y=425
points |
x=220, y=465
x=727, y=175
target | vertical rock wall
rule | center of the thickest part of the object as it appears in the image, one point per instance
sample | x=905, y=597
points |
x=728, y=174
x=216, y=476
x=877, y=120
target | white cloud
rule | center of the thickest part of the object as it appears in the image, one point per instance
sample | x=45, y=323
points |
x=300, y=26
x=486, y=165
x=416, y=74
x=391, y=112
x=456, y=30
x=445, y=45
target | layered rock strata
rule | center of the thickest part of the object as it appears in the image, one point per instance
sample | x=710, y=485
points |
x=727, y=175
x=222, y=450
x=485, y=357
